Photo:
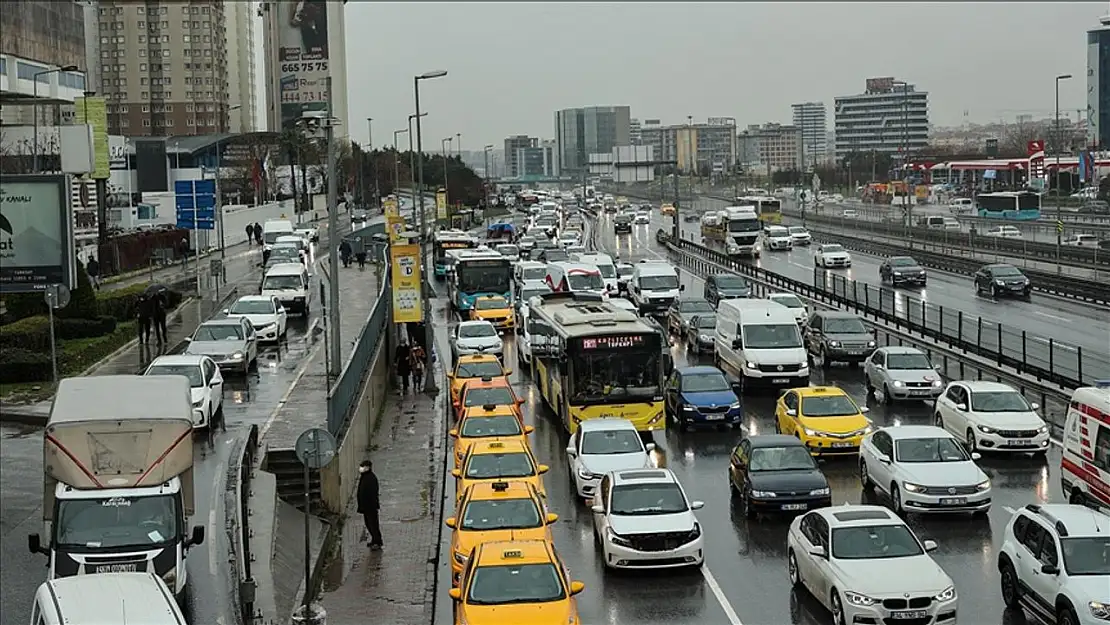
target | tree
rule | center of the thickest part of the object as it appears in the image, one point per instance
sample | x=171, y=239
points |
x=1015, y=140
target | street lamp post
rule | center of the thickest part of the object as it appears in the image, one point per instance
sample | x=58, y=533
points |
x=1059, y=215
x=396, y=161
x=35, y=111
x=412, y=159
x=907, y=208
x=370, y=155
x=485, y=171
x=430, y=381
x=458, y=144
x=443, y=146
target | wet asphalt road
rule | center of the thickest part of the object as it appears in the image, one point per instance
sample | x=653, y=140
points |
x=744, y=581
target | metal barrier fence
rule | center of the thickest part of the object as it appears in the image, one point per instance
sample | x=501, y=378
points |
x=239, y=530
x=342, y=394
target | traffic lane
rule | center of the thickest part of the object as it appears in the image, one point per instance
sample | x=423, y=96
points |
x=20, y=515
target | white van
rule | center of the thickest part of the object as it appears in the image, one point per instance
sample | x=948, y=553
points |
x=961, y=206
x=760, y=341
x=296, y=241
x=1085, y=463
x=653, y=286
x=275, y=228
x=605, y=264
x=570, y=277
x=937, y=222
x=289, y=283
x=106, y=599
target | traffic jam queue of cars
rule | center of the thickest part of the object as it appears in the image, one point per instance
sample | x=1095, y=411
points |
x=594, y=335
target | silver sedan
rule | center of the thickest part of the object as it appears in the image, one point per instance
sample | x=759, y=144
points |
x=902, y=373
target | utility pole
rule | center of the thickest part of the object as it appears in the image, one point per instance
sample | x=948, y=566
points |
x=333, y=241
x=370, y=157
x=396, y=161
x=429, y=336
x=1059, y=215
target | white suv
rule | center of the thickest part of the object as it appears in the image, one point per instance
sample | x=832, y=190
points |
x=1055, y=563
x=643, y=520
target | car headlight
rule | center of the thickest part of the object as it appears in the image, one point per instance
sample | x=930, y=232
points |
x=937, y=384
x=689, y=408
x=461, y=558
x=947, y=594
x=1099, y=610
x=587, y=475
x=765, y=494
x=999, y=282
x=751, y=365
x=694, y=533
x=734, y=406
x=913, y=488
x=834, y=343
x=984, y=429
x=810, y=432
x=897, y=273
x=871, y=343
x=820, y=492
x=237, y=356
x=899, y=383
x=705, y=337
x=1042, y=429
x=984, y=485
x=857, y=599
x=617, y=539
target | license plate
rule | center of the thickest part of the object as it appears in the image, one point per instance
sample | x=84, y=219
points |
x=794, y=506
x=1023, y=442
x=855, y=352
x=780, y=381
x=909, y=614
x=117, y=568
x=714, y=417
x=953, y=501
x=842, y=445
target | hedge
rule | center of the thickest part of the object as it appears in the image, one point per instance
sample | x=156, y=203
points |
x=123, y=304
x=21, y=365
x=85, y=303
x=33, y=333
x=74, y=356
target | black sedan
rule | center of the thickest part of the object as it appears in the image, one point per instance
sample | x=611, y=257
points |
x=775, y=473
x=902, y=271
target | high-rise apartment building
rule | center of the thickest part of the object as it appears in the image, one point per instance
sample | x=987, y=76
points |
x=779, y=147
x=810, y=118
x=696, y=148
x=513, y=145
x=634, y=132
x=889, y=117
x=1098, y=85
x=37, y=36
x=593, y=130
x=164, y=67
x=242, y=74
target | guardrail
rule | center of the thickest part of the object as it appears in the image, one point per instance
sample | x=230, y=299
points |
x=240, y=473
x=1045, y=359
x=1076, y=224
x=342, y=394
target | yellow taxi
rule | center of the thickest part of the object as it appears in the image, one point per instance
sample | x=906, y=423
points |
x=475, y=367
x=497, y=461
x=494, y=309
x=485, y=423
x=515, y=582
x=488, y=392
x=825, y=418
x=496, y=511
x=667, y=208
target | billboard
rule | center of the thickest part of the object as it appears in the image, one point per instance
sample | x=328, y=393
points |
x=880, y=84
x=405, y=261
x=92, y=111
x=36, y=233
x=391, y=208
x=152, y=165
x=302, y=57
x=441, y=204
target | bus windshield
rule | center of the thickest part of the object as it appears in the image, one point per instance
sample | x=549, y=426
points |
x=614, y=369
x=483, y=276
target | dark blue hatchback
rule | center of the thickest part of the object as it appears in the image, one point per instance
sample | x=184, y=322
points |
x=701, y=397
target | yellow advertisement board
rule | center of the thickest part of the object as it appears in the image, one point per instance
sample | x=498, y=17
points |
x=396, y=226
x=391, y=207
x=405, y=261
x=441, y=204
x=92, y=111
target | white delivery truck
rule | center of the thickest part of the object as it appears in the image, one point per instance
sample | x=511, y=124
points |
x=275, y=228
x=118, y=478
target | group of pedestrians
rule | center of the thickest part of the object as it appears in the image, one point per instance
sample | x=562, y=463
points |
x=153, y=306
x=254, y=233
x=345, y=255
x=409, y=364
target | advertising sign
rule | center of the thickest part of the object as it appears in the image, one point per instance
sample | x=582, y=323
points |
x=36, y=233
x=92, y=111
x=302, y=51
x=441, y=204
x=406, y=283
x=391, y=208
x=396, y=226
x=880, y=84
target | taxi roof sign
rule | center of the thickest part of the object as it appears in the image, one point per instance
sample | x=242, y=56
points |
x=512, y=553
x=489, y=407
x=500, y=486
x=496, y=445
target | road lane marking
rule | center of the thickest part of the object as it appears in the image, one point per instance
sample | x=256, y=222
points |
x=212, y=533
x=1051, y=316
x=1008, y=509
x=733, y=619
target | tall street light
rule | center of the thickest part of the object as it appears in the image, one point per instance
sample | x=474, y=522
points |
x=396, y=161
x=486, y=150
x=370, y=155
x=445, y=148
x=907, y=208
x=35, y=110
x=1059, y=232
x=430, y=381
x=412, y=162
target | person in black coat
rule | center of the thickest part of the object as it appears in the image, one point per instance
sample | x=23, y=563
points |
x=402, y=363
x=144, y=313
x=158, y=310
x=250, y=234
x=369, y=503
x=345, y=252
x=258, y=233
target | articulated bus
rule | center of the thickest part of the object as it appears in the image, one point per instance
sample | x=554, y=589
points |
x=1011, y=205
x=591, y=359
x=449, y=240
x=767, y=207
x=476, y=273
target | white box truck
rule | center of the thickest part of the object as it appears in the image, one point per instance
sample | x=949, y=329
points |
x=118, y=478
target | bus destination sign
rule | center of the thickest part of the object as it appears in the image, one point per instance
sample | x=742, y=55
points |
x=619, y=341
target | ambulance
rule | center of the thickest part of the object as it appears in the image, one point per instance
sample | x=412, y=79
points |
x=1085, y=464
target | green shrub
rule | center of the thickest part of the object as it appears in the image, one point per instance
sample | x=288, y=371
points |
x=21, y=365
x=68, y=329
x=82, y=300
x=29, y=333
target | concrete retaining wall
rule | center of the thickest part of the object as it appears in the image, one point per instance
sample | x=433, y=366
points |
x=236, y=218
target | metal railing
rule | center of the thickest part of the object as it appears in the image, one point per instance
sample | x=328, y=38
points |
x=239, y=478
x=344, y=391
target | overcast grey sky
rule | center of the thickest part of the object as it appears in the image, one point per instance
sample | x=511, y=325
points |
x=513, y=64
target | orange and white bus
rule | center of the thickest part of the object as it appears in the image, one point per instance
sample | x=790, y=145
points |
x=1085, y=465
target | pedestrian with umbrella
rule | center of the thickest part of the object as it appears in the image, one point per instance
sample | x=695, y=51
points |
x=250, y=233
x=144, y=314
x=159, y=305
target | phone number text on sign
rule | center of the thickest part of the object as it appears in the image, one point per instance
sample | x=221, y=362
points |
x=304, y=66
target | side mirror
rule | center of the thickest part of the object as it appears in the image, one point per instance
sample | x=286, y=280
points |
x=196, y=538
x=737, y=388
x=877, y=366
x=737, y=343
x=227, y=310
x=529, y=429
x=552, y=518
x=576, y=588
x=507, y=371
x=697, y=505
x=34, y=545
x=455, y=473
x=572, y=452
x=818, y=552
x=453, y=433
x=961, y=407
x=790, y=412
x=650, y=447
x=864, y=410
x=976, y=455
x=188, y=339
x=930, y=545
x=883, y=458
x=543, y=468
x=1034, y=405
x=598, y=509
x=681, y=288
x=450, y=522
x=214, y=384
x=455, y=594
x=1049, y=569
x=936, y=367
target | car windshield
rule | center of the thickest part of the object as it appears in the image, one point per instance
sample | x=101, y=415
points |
x=196, y=380
x=789, y=301
x=138, y=522
x=500, y=514
x=777, y=231
x=908, y=361
x=476, y=330
x=1006, y=271
x=704, y=322
x=874, y=542
x=485, y=369
x=798, y=230
x=525, y=583
x=774, y=336
x=507, y=250
x=623, y=219
x=585, y=281
x=929, y=450
x=1088, y=555
x=793, y=458
x=647, y=499
x=616, y=375
x=285, y=253
x=607, y=271
x=526, y=239
x=844, y=325
x=902, y=261
x=999, y=401
x=731, y=282
x=483, y=427
x=829, y=249
x=218, y=332
x=252, y=307
x=829, y=406
x=534, y=273
x=282, y=283
x=695, y=306
x=489, y=466
x=625, y=271
x=611, y=442
x=705, y=383
x=490, y=303
x=493, y=396
x=658, y=283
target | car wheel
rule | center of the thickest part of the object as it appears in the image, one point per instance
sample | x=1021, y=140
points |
x=836, y=608
x=792, y=569
x=865, y=478
x=938, y=421
x=896, y=499
x=1066, y=616
x=972, y=444
x=994, y=291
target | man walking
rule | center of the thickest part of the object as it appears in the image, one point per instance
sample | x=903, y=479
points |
x=369, y=503
x=258, y=233
x=402, y=362
x=158, y=311
x=250, y=234
x=143, y=311
x=92, y=269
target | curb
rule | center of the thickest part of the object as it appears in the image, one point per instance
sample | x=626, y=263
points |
x=439, y=462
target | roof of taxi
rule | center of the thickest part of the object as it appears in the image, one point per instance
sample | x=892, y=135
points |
x=471, y=358
x=509, y=489
x=495, y=381
x=498, y=446
x=529, y=550
x=809, y=391
x=489, y=410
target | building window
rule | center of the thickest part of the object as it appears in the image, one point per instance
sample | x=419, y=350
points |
x=196, y=24
x=141, y=24
x=190, y=121
x=123, y=108
x=120, y=40
x=145, y=95
x=204, y=10
x=104, y=40
x=169, y=107
x=165, y=38
x=185, y=10
x=142, y=68
x=125, y=122
x=146, y=123
x=186, y=38
x=142, y=81
x=142, y=11
x=146, y=108
x=207, y=39
x=169, y=122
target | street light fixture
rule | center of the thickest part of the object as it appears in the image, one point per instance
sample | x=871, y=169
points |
x=445, y=149
x=35, y=110
x=430, y=381
x=1059, y=212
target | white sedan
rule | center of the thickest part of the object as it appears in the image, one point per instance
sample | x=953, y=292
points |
x=831, y=255
x=923, y=469
x=865, y=565
x=266, y=314
x=991, y=416
x=205, y=382
x=603, y=445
